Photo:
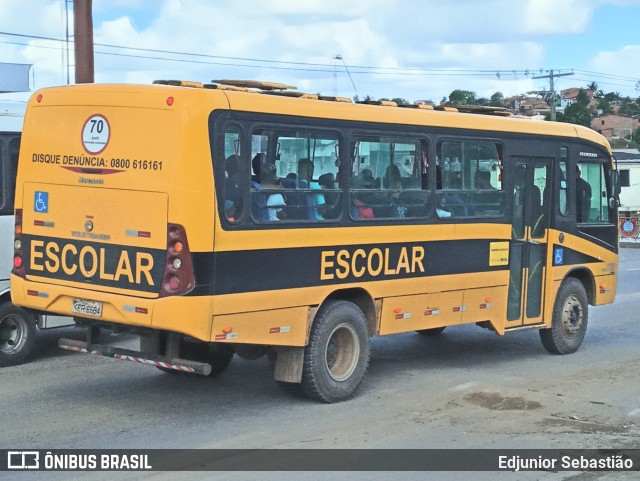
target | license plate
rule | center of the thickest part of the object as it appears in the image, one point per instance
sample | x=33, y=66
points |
x=88, y=308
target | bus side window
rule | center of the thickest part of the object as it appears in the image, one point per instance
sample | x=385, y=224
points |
x=469, y=179
x=233, y=178
x=591, y=194
x=389, y=179
x=308, y=170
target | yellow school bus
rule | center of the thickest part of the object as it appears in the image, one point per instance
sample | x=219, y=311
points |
x=246, y=218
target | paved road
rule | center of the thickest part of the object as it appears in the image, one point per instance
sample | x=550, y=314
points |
x=468, y=388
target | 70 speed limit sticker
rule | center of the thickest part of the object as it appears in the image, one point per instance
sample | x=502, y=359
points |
x=95, y=134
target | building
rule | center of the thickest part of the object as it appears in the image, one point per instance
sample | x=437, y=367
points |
x=615, y=126
x=628, y=161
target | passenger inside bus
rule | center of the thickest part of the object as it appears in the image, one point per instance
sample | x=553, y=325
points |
x=232, y=188
x=583, y=197
x=316, y=204
x=483, y=180
x=393, y=184
x=332, y=199
x=360, y=200
x=274, y=203
x=450, y=204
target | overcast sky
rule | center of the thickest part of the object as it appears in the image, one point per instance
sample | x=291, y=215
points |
x=413, y=49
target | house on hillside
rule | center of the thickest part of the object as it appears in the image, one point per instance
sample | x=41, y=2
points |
x=569, y=96
x=526, y=106
x=615, y=126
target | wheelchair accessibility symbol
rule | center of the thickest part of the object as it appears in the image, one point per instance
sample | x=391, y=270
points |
x=558, y=257
x=41, y=202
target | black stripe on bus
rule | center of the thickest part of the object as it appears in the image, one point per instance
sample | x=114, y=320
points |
x=273, y=269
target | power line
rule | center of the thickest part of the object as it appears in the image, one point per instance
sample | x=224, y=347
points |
x=200, y=58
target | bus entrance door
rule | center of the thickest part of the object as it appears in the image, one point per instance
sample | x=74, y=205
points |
x=529, y=236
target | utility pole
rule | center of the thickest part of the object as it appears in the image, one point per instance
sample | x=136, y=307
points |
x=552, y=89
x=83, y=40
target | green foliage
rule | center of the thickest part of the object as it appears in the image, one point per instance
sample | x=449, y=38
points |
x=462, y=97
x=630, y=107
x=583, y=98
x=576, y=113
x=612, y=96
x=605, y=106
x=497, y=99
x=635, y=136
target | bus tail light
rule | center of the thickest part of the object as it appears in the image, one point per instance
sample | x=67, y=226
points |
x=178, y=275
x=18, y=255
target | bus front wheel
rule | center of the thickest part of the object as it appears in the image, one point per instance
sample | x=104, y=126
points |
x=17, y=334
x=569, y=322
x=337, y=355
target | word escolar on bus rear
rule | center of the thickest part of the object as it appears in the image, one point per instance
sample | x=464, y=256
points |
x=109, y=264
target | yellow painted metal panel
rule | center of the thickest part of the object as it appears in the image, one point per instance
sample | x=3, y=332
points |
x=278, y=327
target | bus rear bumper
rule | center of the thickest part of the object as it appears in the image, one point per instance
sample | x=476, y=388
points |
x=176, y=364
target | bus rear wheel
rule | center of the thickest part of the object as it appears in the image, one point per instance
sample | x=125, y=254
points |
x=570, y=318
x=337, y=356
x=17, y=334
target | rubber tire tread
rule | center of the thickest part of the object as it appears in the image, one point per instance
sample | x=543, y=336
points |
x=316, y=382
x=554, y=339
x=7, y=309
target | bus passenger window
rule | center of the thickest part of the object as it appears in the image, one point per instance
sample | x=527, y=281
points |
x=591, y=194
x=389, y=179
x=305, y=176
x=468, y=178
x=562, y=191
x=233, y=185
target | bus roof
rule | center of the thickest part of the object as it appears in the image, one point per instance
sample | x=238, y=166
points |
x=273, y=98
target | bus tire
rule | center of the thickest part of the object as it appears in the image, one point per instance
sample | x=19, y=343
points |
x=337, y=355
x=17, y=334
x=436, y=331
x=569, y=321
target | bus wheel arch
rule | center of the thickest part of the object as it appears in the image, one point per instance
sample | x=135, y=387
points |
x=364, y=301
x=586, y=278
x=569, y=320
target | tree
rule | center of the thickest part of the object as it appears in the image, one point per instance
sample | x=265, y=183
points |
x=577, y=112
x=462, y=97
x=400, y=101
x=612, y=96
x=630, y=107
x=635, y=136
x=605, y=106
x=497, y=100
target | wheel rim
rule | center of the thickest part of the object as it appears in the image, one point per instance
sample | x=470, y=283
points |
x=342, y=352
x=572, y=316
x=13, y=334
